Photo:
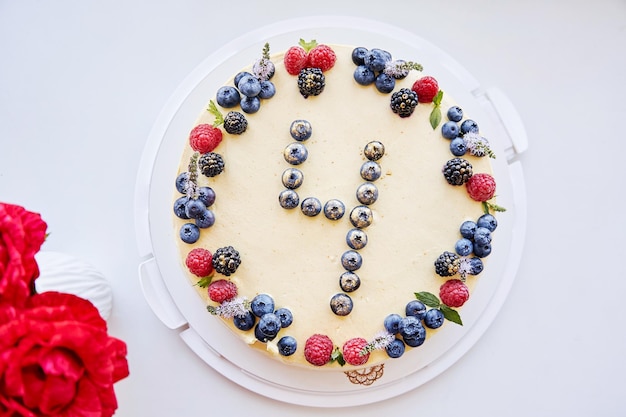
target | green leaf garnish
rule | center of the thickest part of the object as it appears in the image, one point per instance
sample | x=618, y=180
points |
x=435, y=117
x=435, y=114
x=307, y=46
x=429, y=299
x=487, y=207
x=204, y=281
x=451, y=314
x=219, y=118
x=337, y=356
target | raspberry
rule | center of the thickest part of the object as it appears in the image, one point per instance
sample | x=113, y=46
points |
x=295, y=59
x=204, y=138
x=481, y=187
x=200, y=262
x=318, y=349
x=322, y=57
x=453, y=293
x=222, y=290
x=352, y=351
x=426, y=89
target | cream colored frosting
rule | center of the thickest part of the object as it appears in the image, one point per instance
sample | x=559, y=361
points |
x=296, y=259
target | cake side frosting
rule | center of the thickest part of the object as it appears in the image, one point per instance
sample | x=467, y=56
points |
x=297, y=259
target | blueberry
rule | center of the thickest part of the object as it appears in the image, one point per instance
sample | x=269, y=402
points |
x=476, y=266
x=450, y=130
x=487, y=221
x=292, y=178
x=418, y=339
x=262, y=304
x=458, y=147
x=249, y=86
x=482, y=236
x=181, y=182
x=250, y=104
x=455, y=114
x=246, y=322
x=260, y=336
x=358, y=55
x=287, y=345
x=433, y=319
x=179, y=207
x=392, y=323
x=206, y=195
x=285, y=316
x=374, y=150
x=268, y=89
x=349, y=281
x=361, y=217
x=300, y=130
x=385, y=83
x=370, y=171
x=463, y=247
x=334, y=209
x=415, y=308
x=410, y=327
x=351, y=260
x=356, y=238
x=341, y=304
x=367, y=193
x=228, y=96
x=376, y=59
x=269, y=324
x=288, y=199
x=468, y=126
x=206, y=219
x=194, y=208
x=482, y=250
x=189, y=233
x=395, y=349
x=240, y=75
x=363, y=75
x=295, y=153
x=311, y=206
x=468, y=228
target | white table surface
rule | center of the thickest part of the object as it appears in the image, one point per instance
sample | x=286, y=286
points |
x=82, y=83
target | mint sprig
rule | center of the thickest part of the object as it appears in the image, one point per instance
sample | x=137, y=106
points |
x=488, y=207
x=219, y=117
x=337, y=356
x=431, y=300
x=435, y=114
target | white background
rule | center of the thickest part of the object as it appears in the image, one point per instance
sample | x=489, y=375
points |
x=82, y=82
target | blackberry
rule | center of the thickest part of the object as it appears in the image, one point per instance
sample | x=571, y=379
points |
x=226, y=260
x=311, y=82
x=235, y=123
x=211, y=164
x=447, y=264
x=457, y=171
x=403, y=102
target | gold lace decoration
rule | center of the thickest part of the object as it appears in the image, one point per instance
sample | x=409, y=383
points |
x=366, y=376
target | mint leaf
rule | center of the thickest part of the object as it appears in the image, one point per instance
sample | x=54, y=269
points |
x=435, y=117
x=437, y=99
x=337, y=356
x=219, y=118
x=428, y=299
x=204, y=281
x=451, y=314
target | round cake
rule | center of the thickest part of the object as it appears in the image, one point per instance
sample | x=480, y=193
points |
x=334, y=205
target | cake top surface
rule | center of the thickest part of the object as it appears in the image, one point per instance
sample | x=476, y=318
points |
x=297, y=259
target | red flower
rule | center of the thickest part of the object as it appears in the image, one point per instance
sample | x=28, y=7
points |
x=56, y=358
x=21, y=235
